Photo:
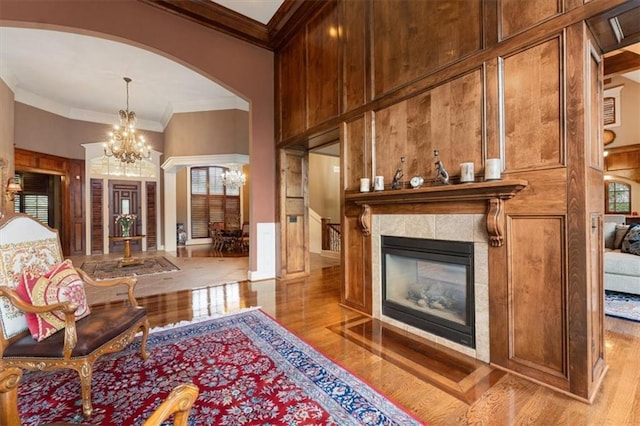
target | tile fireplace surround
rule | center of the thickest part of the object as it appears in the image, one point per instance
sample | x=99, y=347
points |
x=453, y=227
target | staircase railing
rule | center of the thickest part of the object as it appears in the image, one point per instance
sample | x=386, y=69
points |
x=330, y=235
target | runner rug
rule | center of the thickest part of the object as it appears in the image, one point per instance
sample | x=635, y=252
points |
x=249, y=369
x=102, y=270
x=622, y=305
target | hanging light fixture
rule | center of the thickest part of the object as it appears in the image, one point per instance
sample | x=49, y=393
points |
x=123, y=142
x=233, y=178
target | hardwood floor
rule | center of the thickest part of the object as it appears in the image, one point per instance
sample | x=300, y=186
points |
x=437, y=386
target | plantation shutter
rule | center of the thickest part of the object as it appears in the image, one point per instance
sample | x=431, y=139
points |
x=34, y=199
x=199, y=201
x=211, y=201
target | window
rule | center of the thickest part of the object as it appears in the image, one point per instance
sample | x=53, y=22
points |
x=211, y=201
x=617, y=197
x=34, y=199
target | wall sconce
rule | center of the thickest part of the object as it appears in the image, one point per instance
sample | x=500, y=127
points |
x=12, y=188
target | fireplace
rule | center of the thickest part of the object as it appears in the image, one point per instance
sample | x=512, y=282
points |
x=429, y=284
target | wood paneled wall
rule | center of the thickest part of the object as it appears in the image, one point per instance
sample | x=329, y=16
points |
x=474, y=79
x=72, y=234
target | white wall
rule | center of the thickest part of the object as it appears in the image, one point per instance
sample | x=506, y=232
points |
x=324, y=186
x=628, y=133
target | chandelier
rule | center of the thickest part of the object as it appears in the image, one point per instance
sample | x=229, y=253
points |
x=233, y=178
x=123, y=143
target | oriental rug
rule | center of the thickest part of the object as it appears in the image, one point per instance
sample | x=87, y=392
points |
x=622, y=305
x=103, y=270
x=249, y=369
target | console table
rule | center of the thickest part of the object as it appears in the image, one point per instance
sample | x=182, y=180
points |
x=127, y=259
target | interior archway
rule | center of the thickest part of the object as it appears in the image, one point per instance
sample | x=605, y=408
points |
x=250, y=74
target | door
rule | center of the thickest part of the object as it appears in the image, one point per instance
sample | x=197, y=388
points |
x=294, y=214
x=124, y=198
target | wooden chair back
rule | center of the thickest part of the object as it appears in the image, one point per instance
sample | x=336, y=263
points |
x=28, y=246
x=23, y=248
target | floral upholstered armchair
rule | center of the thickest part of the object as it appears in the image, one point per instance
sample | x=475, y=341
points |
x=45, y=321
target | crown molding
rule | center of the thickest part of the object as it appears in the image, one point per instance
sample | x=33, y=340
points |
x=218, y=17
x=288, y=19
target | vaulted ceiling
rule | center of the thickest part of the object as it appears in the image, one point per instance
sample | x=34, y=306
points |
x=78, y=77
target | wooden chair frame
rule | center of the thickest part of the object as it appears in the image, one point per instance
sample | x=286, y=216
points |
x=178, y=403
x=82, y=364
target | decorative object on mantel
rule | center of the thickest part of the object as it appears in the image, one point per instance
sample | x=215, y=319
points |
x=494, y=193
x=396, y=184
x=365, y=185
x=467, y=172
x=378, y=183
x=125, y=221
x=442, y=176
x=492, y=169
x=123, y=142
x=416, y=181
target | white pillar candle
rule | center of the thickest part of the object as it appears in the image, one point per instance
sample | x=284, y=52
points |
x=378, y=183
x=466, y=172
x=492, y=169
x=364, y=185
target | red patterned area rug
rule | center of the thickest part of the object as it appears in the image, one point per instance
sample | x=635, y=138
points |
x=249, y=369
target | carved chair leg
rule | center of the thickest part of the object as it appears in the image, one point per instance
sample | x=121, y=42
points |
x=145, y=335
x=86, y=375
x=9, y=380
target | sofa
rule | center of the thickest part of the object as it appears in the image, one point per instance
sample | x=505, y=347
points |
x=621, y=270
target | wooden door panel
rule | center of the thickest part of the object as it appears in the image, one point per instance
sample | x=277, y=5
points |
x=97, y=238
x=406, y=47
x=518, y=15
x=533, y=107
x=294, y=214
x=537, y=249
x=121, y=195
x=323, y=71
x=152, y=217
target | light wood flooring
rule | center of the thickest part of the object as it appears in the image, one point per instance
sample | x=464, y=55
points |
x=437, y=386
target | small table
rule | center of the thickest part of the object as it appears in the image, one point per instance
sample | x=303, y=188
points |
x=127, y=260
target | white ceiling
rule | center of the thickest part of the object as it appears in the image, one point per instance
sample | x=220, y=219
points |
x=81, y=77
x=258, y=10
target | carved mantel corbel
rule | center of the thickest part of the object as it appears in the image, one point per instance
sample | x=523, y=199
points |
x=365, y=220
x=495, y=221
x=494, y=193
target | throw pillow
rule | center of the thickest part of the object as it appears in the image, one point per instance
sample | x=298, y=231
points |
x=60, y=284
x=631, y=242
x=621, y=231
x=609, y=231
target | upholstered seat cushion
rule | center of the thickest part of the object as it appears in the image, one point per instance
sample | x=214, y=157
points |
x=93, y=331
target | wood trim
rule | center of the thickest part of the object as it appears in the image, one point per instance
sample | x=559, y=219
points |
x=480, y=191
x=288, y=19
x=220, y=18
x=71, y=192
x=494, y=193
x=621, y=63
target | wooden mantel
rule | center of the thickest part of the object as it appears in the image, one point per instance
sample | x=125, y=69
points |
x=493, y=192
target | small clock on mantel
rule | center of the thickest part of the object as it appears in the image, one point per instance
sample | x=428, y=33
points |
x=416, y=181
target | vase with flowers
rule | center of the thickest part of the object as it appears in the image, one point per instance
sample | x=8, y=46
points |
x=126, y=221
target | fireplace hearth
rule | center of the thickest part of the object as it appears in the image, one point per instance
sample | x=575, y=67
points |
x=429, y=284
